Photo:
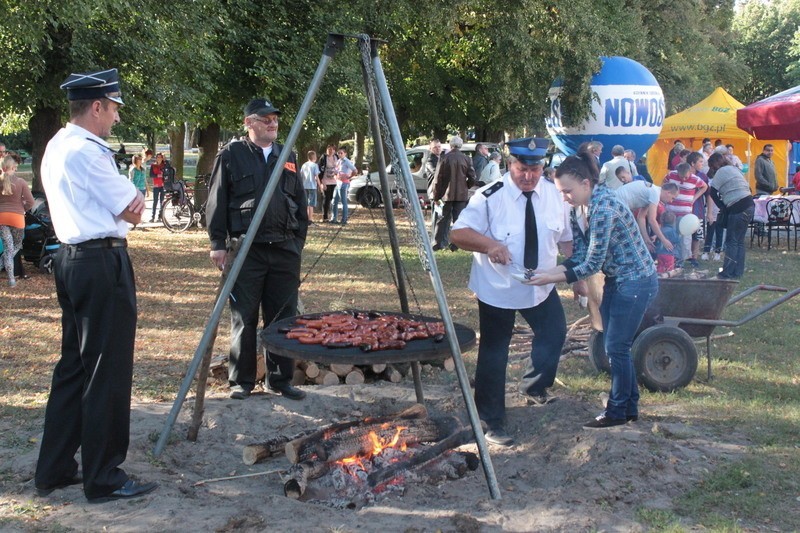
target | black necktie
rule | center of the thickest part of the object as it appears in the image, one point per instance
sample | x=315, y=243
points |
x=531, y=237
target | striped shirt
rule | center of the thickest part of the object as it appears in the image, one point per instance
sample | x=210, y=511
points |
x=682, y=205
x=613, y=242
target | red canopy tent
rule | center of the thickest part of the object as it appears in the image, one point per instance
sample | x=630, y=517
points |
x=776, y=117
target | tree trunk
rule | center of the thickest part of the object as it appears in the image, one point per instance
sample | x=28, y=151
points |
x=43, y=124
x=176, y=136
x=208, y=143
x=358, y=155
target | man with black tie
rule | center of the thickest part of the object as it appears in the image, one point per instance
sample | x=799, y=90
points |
x=512, y=226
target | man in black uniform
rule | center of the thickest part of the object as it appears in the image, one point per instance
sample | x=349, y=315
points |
x=91, y=205
x=270, y=275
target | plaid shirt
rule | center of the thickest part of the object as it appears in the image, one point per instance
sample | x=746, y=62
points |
x=613, y=243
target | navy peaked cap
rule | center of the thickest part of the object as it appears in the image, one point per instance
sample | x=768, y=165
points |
x=91, y=85
x=530, y=150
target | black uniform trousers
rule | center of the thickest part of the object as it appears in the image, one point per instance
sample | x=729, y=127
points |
x=90, y=398
x=269, y=279
x=496, y=326
x=450, y=212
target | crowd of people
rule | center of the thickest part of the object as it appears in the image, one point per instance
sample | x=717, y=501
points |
x=608, y=219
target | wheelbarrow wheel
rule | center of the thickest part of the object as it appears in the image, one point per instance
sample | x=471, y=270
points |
x=665, y=358
x=597, y=352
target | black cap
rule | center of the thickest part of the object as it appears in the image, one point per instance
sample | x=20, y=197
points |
x=260, y=107
x=530, y=150
x=91, y=85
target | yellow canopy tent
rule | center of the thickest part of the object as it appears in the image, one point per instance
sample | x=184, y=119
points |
x=715, y=118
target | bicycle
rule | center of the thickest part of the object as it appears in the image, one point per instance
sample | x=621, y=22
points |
x=178, y=212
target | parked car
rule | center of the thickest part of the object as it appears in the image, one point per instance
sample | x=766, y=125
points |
x=366, y=189
x=24, y=155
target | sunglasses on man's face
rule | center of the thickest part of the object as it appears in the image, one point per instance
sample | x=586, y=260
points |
x=267, y=121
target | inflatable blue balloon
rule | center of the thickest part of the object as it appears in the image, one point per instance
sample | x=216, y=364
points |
x=629, y=110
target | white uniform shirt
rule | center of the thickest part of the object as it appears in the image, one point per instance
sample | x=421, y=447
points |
x=501, y=216
x=608, y=174
x=85, y=191
x=639, y=194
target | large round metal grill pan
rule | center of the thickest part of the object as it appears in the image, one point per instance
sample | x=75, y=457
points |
x=415, y=350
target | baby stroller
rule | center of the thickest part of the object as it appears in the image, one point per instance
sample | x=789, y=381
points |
x=40, y=242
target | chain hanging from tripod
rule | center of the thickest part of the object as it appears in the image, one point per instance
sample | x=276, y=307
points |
x=394, y=153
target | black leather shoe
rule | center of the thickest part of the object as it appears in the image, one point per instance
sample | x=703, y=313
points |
x=632, y=418
x=453, y=248
x=131, y=489
x=288, y=391
x=45, y=491
x=603, y=421
x=436, y=247
x=499, y=436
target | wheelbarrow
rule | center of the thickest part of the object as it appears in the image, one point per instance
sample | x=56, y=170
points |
x=663, y=351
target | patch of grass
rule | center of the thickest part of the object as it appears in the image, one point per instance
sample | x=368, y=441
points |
x=659, y=521
x=759, y=491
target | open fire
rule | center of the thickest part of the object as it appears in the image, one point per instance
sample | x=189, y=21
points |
x=353, y=464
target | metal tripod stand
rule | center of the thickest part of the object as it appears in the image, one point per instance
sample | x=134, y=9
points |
x=382, y=117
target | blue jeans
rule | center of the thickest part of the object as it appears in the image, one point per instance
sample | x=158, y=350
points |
x=158, y=199
x=622, y=309
x=496, y=327
x=340, y=194
x=736, y=227
x=714, y=234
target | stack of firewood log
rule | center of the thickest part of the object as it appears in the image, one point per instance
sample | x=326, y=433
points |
x=309, y=373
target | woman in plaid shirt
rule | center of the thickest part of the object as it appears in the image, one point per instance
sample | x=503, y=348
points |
x=613, y=244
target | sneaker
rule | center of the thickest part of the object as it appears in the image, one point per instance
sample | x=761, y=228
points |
x=539, y=399
x=704, y=257
x=717, y=257
x=693, y=263
x=12, y=283
x=238, y=393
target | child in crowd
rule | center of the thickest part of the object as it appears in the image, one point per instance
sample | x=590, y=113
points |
x=137, y=175
x=311, y=182
x=157, y=175
x=666, y=259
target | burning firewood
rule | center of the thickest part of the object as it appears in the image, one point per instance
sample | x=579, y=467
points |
x=454, y=440
x=302, y=449
x=362, y=439
x=255, y=453
x=300, y=474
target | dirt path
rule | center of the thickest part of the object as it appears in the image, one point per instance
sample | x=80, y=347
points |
x=559, y=477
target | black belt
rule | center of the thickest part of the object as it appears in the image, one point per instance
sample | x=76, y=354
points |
x=108, y=242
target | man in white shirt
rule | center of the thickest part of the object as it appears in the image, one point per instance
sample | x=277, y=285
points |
x=608, y=172
x=643, y=199
x=512, y=226
x=91, y=205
